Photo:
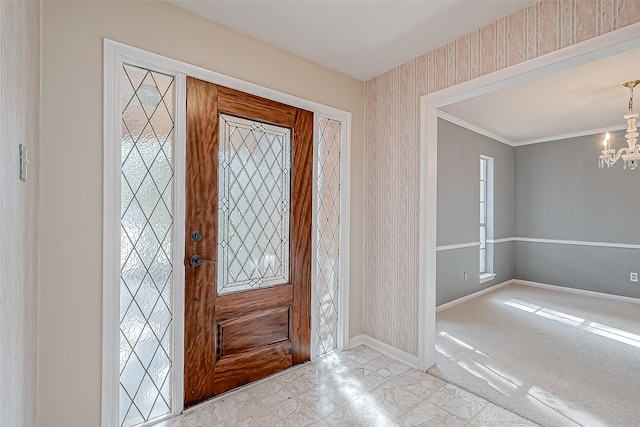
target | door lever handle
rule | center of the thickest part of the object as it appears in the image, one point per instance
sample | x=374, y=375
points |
x=197, y=261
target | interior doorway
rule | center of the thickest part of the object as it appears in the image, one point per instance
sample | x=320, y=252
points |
x=587, y=51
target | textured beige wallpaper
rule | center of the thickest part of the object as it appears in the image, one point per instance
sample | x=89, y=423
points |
x=19, y=120
x=392, y=140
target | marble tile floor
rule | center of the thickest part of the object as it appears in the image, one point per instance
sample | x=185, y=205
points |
x=358, y=387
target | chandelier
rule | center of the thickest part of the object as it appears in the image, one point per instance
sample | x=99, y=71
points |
x=631, y=154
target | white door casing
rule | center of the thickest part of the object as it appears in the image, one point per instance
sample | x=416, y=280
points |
x=115, y=56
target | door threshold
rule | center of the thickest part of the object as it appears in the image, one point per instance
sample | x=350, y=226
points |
x=244, y=387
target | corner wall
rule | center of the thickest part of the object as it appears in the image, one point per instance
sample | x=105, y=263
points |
x=19, y=124
x=392, y=127
x=459, y=152
x=561, y=194
x=69, y=391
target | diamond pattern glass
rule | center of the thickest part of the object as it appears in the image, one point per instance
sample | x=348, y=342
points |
x=328, y=235
x=254, y=191
x=147, y=100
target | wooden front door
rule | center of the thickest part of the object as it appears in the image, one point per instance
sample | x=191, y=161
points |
x=248, y=239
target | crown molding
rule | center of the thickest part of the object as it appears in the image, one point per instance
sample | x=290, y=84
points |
x=473, y=128
x=477, y=129
x=569, y=135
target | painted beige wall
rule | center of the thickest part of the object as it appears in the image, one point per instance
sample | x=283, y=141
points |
x=71, y=185
x=392, y=145
x=19, y=122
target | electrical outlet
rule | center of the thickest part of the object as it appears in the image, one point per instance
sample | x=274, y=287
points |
x=465, y=275
x=633, y=277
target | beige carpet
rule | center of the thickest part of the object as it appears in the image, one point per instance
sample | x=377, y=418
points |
x=555, y=358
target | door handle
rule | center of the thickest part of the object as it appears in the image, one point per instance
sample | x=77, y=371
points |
x=197, y=261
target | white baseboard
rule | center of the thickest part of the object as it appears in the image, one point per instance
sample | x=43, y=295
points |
x=399, y=355
x=537, y=285
x=577, y=291
x=411, y=360
x=357, y=340
x=472, y=296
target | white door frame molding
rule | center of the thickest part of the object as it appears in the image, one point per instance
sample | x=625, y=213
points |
x=115, y=55
x=608, y=44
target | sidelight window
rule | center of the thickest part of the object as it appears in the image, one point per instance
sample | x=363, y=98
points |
x=147, y=106
x=327, y=275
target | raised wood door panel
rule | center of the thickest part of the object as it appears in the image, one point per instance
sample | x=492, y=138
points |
x=236, y=338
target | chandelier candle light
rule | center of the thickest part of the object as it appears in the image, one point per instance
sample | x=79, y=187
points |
x=631, y=154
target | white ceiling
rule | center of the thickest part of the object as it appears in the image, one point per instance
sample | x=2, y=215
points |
x=359, y=38
x=580, y=99
x=365, y=38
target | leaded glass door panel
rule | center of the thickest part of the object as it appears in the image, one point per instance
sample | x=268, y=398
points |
x=254, y=195
x=248, y=238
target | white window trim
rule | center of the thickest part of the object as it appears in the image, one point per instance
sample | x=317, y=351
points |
x=115, y=55
x=484, y=162
x=487, y=277
x=489, y=211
